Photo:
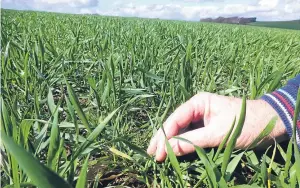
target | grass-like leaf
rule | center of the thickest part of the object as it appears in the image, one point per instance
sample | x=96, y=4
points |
x=15, y=171
x=135, y=148
x=38, y=173
x=76, y=104
x=54, y=136
x=289, y=154
x=174, y=162
x=234, y=137
x=202, y=155
x=276, y=81
x=6, y=55
x=267, y=130
x=232, y=165
x=73, y=116
x=119, y=153
x=171, y=155
x=91, y=138
x=270, y=166
x=224, y=141
x=82, y=180
x=263, y=168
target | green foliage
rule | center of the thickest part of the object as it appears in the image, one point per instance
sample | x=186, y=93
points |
x=39, y=174
x=82, y=183
x=82, y=95
x=232, y=142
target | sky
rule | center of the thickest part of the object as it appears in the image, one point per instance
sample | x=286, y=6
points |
x=191, y=10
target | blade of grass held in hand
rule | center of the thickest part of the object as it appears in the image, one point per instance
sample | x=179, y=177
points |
x=233, y=139
x=75, y=102
x=202, y=155
x=221, y=146
x=170, y=153
x=37, y=172
x=267, y=130
x=174, y=162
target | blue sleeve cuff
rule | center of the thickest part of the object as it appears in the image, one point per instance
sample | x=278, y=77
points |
x=283, y=101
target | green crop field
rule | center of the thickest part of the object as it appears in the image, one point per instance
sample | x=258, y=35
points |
x=295, y=24
x=82, y=95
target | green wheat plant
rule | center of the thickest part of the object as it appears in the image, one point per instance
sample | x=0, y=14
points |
x=81, y=96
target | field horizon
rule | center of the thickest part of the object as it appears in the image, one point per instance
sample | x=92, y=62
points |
x=287, y=24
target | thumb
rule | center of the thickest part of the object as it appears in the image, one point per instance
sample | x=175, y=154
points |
x=203, y=137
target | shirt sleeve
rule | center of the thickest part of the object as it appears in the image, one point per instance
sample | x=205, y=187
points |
x=283, y=101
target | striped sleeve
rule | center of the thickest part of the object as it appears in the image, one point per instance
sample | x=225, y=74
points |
x=283, y=101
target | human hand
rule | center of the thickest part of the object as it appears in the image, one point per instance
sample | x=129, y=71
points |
x=213, y=115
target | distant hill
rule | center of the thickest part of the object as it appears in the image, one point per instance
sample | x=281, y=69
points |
x=295, y=24
x=231, y=20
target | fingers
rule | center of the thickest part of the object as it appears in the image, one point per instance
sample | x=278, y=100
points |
x=153, y=143
x=191, y=111
x=202, y=137
x=160, y=151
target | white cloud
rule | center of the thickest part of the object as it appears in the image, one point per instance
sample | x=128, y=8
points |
x=198, y=1
x=292, y=6
x=69, y=6
x=262, y=9
x=71, y=3
x=268, y=3
x=61, y=1
x=197, y=12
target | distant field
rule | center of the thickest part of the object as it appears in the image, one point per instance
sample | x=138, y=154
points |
x=81, y=96
x=295, y=24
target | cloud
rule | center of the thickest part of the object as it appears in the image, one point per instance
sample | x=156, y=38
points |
x=263, y=9
x=199, y=1
x=168, y=11
x=292, y=6
x=68, y=6
x=268, y=3
x=72, y=3
x=183, y=10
